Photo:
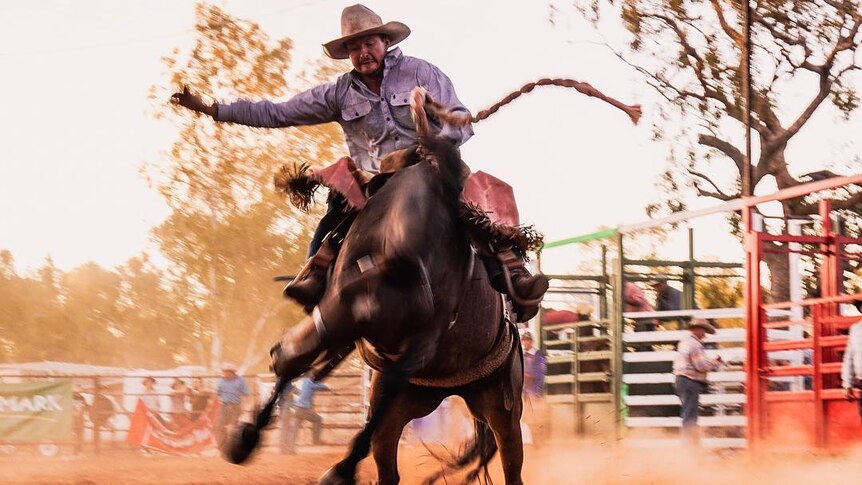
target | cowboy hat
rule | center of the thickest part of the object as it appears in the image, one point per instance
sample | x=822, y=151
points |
x=228, y=366
x=359, y=20
x=700, y=322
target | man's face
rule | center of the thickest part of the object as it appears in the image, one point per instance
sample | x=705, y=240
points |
x=228, y=374
x=527, y=343
x=699, y=332
x=367, y=53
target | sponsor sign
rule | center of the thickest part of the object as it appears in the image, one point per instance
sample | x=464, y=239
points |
x=36, y=411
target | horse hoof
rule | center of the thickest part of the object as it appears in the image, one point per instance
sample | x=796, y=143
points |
x=242, y=444
x=331, y=477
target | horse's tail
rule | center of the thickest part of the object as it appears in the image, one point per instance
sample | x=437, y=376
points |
x=481, y=450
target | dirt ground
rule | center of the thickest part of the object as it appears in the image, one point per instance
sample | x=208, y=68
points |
x=582, y=463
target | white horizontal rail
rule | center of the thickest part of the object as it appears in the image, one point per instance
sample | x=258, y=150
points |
x=731, y=354
x=676, y=422
x=672, y=400
x=668, y=378
x=678, y=443
x=722, y=335
x=715, y=313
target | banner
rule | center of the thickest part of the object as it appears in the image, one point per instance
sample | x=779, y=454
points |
x=36, y=411
x=150, y=431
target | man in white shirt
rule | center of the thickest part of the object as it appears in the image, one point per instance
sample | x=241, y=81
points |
x=851, y=369
x=690, y=368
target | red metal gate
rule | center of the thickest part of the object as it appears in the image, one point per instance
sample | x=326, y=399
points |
x=814, y=413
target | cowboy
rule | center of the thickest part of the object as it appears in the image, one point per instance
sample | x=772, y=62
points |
x=851, y=367
x=371, y=104
x=690, y=368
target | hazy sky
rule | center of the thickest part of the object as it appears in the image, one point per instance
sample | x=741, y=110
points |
x=75, y=128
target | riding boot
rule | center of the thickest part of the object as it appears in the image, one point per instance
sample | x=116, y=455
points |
x=309, y=285
x=529, y=288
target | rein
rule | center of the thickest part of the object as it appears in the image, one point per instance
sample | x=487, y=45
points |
x=462, y=119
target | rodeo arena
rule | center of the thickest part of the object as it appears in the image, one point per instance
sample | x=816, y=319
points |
x=409, y=356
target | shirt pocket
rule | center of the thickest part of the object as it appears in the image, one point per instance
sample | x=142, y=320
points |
x=355, y=107
x=400, y=103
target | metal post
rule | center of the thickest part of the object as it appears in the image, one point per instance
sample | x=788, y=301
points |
x=753, y=316
x=576, y=389
x=96, y=417
x=688, y=271
x=747, y=179
x=603, y=286
x=617, y=328
x=817, y=378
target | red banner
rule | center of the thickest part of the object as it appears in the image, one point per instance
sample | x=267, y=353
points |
x=184, y=436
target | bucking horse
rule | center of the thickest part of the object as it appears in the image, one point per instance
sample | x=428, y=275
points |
x=408, y=292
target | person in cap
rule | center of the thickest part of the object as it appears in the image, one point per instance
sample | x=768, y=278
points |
x=690, y=369
x=851, y=367
x=371, y=103
x=231, y=390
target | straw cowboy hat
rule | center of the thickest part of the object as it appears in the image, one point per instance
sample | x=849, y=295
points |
x=359, y=20
x=228, y=366
x=700, y=322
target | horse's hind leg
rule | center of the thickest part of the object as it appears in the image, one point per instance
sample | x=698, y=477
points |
x=414, y=402
x=486, y=404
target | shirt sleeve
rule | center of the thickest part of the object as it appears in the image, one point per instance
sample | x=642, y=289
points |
x=315, y=106
x=700, y=361
x=441, y=89
x=243, y=388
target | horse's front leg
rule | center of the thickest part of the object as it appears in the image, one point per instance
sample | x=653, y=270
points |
x=392, y=382
x=302, y=345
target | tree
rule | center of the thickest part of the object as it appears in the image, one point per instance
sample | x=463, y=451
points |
x=228, y=232
x=689, y=52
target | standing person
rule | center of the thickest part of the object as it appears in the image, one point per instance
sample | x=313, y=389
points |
x=851, y=368
x=371, y=103
x=285, y=416
x=667, y=298
x=535, y=368
x=149, y=396
x=199, y=398
x=690, y=368
x=303, y=410
x=635, y=301
x=179, y=397
x=231, y=390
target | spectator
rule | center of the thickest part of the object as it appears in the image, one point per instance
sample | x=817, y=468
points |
x=231, y=390
x=535, y=368
x=285, y=415
x=149, y=396
x=179, y=397
x=690, y=368
x=851, y=369
x=199, y=398
x=303, y=410
x=635, y=301
x=667, y=298
x=103, y=409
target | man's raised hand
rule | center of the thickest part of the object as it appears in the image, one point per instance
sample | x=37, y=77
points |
x=193, y=102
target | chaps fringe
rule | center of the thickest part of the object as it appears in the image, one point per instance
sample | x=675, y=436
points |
x=296, y=182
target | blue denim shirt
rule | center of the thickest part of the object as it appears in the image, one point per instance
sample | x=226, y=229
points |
x=373, y=125
x=307, y=388
x=231, y=391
